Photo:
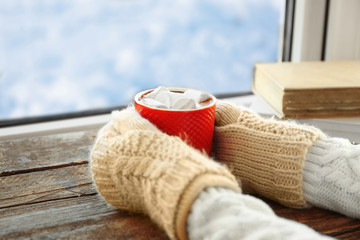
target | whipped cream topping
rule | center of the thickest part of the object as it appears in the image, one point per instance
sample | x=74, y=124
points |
x=164, y=98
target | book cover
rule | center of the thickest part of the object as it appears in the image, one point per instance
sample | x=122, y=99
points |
x=309, y=89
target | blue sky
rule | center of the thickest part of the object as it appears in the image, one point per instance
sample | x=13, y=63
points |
x=68, y=55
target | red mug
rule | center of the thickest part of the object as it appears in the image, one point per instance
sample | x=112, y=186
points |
x=194, y=126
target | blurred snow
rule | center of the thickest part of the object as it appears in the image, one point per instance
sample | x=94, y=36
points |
x=68, y=55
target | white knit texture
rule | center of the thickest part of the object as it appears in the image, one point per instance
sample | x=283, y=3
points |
x=331, y=176
x=219, y=213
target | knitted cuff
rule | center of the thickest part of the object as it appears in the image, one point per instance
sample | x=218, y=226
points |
x=266, y=154
x=332, y=176
x=155, y=174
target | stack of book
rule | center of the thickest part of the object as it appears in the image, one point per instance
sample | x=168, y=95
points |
x=309, y=89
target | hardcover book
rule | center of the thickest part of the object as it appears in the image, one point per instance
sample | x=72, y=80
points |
x=309, y=89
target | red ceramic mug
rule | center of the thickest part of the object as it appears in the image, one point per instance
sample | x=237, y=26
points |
x=195, y=126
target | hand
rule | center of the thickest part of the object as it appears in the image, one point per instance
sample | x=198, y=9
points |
x=138, y=168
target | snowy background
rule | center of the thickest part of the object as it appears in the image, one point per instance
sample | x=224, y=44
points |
x=67, y=55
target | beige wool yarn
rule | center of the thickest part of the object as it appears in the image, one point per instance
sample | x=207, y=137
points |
x=267, y=155
x=136, y=167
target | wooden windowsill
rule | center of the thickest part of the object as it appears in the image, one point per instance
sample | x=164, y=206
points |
x=47, y=192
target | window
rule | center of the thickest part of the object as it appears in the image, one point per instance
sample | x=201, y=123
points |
x=325, y=30
x=72, y=55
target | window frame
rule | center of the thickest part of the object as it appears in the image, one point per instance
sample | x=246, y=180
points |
x=299, y=40
x=343, y=32
x=322, y=30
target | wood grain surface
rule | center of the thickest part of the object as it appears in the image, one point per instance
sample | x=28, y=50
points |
x=46, y=192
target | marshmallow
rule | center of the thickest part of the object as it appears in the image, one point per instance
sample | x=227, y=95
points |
x=184, y=103
x=198, y=96
x=163, y=98
x=156, y=91
x=154, y=103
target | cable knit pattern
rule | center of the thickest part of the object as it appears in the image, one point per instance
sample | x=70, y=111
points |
x=219, y=214
x=266, y=154
x=332, y=176
x=150, y=172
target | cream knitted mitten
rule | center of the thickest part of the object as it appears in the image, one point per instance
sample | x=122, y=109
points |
x=136, y=167
x=267, y=155
x=332, y=176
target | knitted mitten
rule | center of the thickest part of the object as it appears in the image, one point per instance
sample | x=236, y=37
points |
x=136, y=167
x=267, y=155
x=332, y=176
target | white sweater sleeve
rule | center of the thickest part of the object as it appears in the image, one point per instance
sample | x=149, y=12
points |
x=219, y=213
x=331, y=176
